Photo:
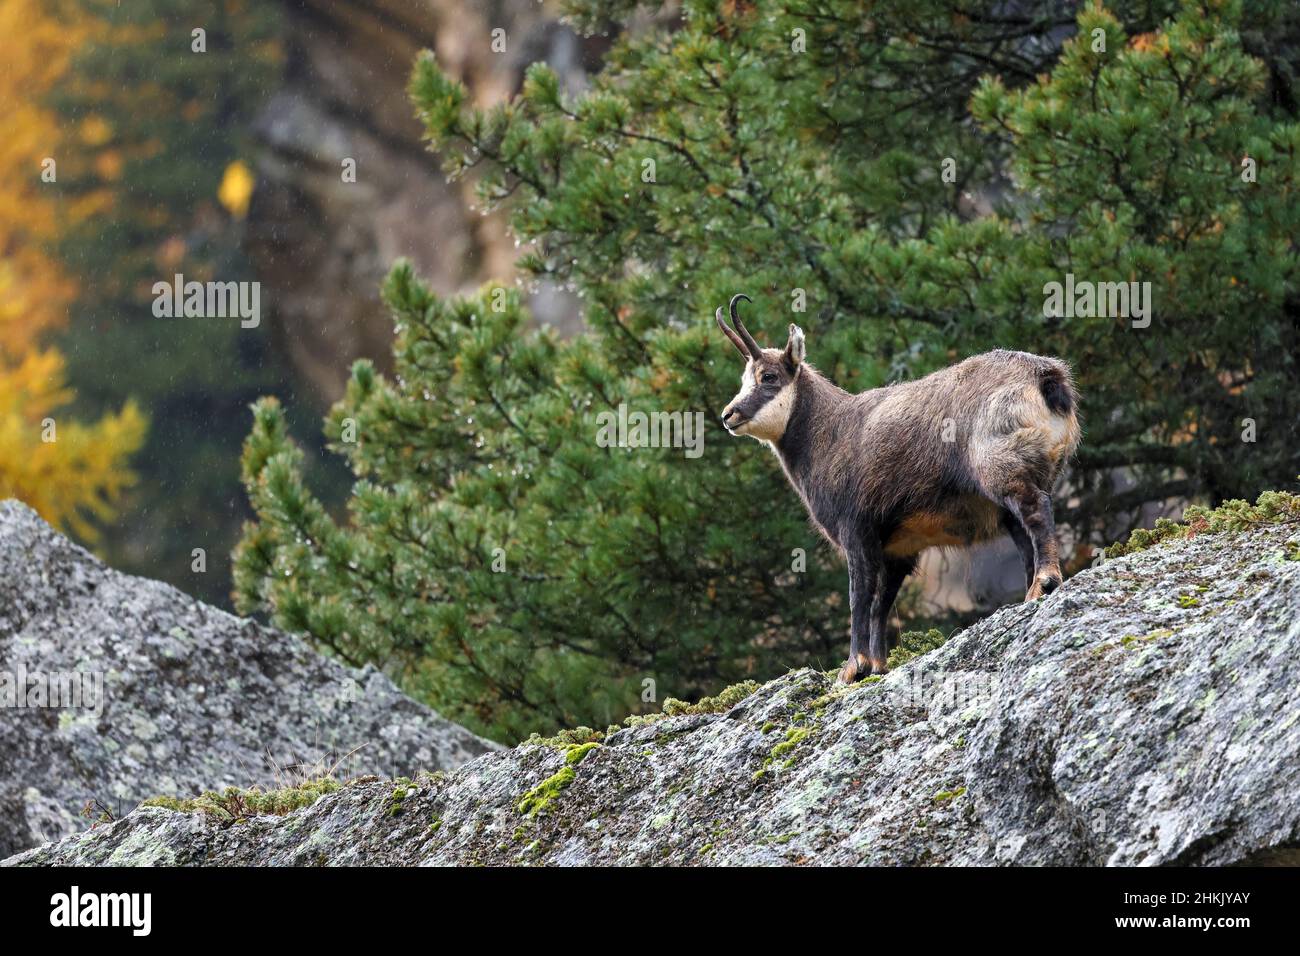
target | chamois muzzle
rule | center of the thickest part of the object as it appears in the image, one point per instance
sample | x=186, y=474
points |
x=732, y=419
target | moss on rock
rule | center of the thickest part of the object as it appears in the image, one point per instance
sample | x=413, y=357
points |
x=539, y=797
x=672, y=707
x=1272, y=507
x=574, y=755
x=234, y=805
x=793, y=737
x=913, y=644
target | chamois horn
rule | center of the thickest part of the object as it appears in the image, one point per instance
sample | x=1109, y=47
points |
x=750, y=345
x=736, y=340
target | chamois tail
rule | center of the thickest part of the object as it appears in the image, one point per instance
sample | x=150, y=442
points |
x=1058, y=388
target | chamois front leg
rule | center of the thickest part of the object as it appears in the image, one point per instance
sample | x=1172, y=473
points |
x=864, y=556
x=893, y=571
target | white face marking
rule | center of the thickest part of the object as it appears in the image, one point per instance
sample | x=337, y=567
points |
x=770, y=422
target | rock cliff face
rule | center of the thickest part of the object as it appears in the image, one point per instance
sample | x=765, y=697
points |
x=175, y=696
x=322, y=243
x=1146, y=713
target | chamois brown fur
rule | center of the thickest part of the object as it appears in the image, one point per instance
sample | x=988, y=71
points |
x=957, y=457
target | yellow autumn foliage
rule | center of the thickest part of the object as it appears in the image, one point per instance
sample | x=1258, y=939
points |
x=71, y=472
x=236, y=189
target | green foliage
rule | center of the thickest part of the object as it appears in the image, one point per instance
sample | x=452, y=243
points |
x=1132, y=160
x=503, y=586
x=1272, y=507
x=519, y=576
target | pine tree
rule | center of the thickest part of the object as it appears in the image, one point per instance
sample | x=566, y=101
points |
x=1152, y=158
x=822, y=157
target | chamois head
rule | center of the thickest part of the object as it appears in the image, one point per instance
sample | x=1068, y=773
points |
x=762, y=407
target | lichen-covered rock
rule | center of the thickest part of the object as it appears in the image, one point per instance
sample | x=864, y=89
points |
x=1146, y=713
x=191, y=698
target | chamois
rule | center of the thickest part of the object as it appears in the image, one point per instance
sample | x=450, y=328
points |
x=947, y=460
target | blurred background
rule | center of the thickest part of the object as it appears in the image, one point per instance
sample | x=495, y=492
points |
x=224, y=165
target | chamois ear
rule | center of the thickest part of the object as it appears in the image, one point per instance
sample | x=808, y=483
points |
x=794, y=349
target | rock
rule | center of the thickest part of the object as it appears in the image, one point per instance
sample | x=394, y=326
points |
x=192, y=697
x=1146, y=713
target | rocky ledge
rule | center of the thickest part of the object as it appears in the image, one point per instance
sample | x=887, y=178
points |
x=1146, y=713
x=170, y=696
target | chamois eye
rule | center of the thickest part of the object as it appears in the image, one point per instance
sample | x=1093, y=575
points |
x=769, y=378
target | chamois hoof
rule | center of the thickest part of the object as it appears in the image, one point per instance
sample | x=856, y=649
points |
x=853, y=669
x=1044, y=584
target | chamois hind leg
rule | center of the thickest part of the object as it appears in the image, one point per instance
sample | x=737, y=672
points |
x=1024, y=544
x=863, y=553
x=1033, y=507
x=892, y=574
